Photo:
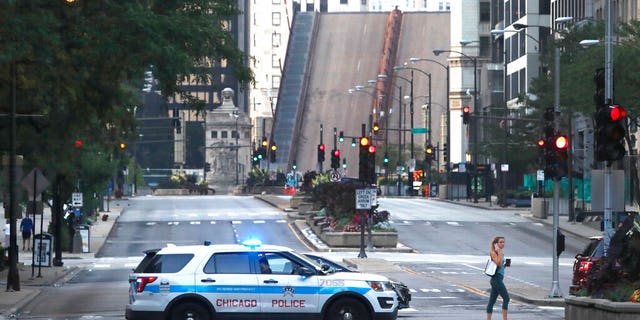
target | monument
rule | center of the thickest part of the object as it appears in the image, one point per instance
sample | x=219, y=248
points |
x=227, y=145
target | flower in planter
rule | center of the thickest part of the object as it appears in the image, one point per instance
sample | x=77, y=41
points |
x=635, y=296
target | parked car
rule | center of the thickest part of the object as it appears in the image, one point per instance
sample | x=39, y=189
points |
x=584, y=261
x=404, y=295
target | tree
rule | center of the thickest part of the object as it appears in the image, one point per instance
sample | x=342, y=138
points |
x=80, y=66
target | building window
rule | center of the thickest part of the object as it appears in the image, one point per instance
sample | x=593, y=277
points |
x=234, y=134
x=523, y=80
x=276, y=19
x=224, y=134
x=214, y=134
x=485, y=12
x=275, y=61
x=275, y=40
x=363, y=2
x=275, y=82
x=344, y=1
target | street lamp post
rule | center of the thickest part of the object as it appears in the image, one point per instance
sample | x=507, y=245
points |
x=397, y=68
x=473, y=119
x=410, y=175
x=446, y=67
x=555, y=284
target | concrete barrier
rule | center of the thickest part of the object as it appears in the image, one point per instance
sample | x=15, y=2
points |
x=585, y=308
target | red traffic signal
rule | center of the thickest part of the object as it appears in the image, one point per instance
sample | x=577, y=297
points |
x=617, y=112
x=372, y=149
x=78, y=144
x=466, y=115
x=321, y=147
x=541, y=142
x=336, y=153
x=561, y=142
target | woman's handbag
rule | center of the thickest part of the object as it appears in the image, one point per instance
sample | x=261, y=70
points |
x=490, y=268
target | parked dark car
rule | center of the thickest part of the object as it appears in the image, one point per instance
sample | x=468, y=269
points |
x=584, y=261
x=404, y=295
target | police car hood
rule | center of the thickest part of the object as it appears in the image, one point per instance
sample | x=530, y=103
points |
x=359, y=276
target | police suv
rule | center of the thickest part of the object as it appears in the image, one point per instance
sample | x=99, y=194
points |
x=252, y=281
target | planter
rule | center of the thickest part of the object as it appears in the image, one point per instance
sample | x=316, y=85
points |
x=295, y=200
x=305, y=207
x=585, y=308
x=352, y=239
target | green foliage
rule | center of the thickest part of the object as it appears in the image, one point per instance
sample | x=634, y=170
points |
x=80, y=66
x=337, y=203
x=337, y=198
x=262, y=177
x=617, y=275
x=308, y=178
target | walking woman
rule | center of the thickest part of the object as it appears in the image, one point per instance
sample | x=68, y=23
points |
x=497, y=284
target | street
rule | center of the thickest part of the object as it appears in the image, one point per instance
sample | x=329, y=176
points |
x=444, y=274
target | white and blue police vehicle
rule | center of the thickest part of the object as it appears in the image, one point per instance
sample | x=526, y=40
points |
x=252, y=281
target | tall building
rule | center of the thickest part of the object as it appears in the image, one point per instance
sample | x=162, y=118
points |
x=470, y=47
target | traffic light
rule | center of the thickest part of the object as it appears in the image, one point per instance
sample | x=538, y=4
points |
x=385, y=160
x=541, y=151
x=609, y=133
x=341, y=137
x=428, y=153
x=294, y=166
x=363, y=164
x=466, y=115
x=376, y=128
x=78, y=144
x=321, y=148
x=371, y=165
x=344, y=163
x=256, y=157
x=207, y=167
x=335, y=158
x=445, y=153
x=176, y=121
x=556, y=157
x=272, y=154
x=122, y=145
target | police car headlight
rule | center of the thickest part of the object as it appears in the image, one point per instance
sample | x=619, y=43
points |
x=380, y=286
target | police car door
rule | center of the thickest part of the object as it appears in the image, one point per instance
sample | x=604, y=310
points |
x=228, y=282
x=283, y=289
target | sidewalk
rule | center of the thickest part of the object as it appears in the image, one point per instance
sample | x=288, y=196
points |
x=519, y=291
x=12, y=301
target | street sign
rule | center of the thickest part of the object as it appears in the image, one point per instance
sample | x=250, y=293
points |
x=41, y=183
x=419, y=130
x=363, y=199
x=540, y=175
x=76, y=199
x=335, y=175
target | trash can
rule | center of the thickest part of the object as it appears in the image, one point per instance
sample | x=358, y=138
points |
x=42, y=249
x=539, y=207
x=433, y=190
x=81, y=239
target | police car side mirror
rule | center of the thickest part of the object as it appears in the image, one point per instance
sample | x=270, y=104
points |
x=325, y=267
x=306, y=272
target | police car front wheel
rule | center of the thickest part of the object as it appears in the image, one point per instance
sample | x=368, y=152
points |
x=190, y=311
x=347, y=309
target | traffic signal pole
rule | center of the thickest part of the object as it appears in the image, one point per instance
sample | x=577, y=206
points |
x=608, y=98
x=555, y=284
